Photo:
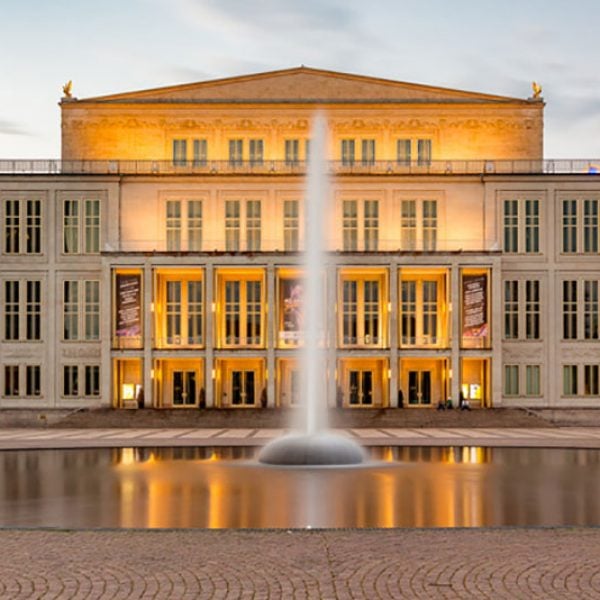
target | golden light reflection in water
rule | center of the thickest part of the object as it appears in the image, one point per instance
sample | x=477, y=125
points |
x=225, y=488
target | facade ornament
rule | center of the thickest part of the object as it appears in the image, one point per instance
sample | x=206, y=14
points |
x=67, y=89
x=537, y=90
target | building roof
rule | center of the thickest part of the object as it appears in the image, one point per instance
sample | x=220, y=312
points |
x=301, y=85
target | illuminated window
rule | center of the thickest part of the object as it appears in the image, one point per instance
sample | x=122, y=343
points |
x=232, y=225
x=429, y=224
x=420, y=302
x=200, y=148
x=173, y=225
x=241, y=311
x=532, y=380
x=180, y=153
x=570, y=387
x=194, y=224
x=81, y=226
x=184, y=233
x=256, y=152
x=291, y=224
x=81, y=310
x=350, y=225
x=22, y=226
x=253, y=225
x=423, y=152
x=403, y=152
x=418, y=224
x=348, y=152
x=408, y=224
x=511, y=380
x=371, y=224
x=236, y=152
x=183, y=312
x=368, y=152
x=292, y=152
x=521, y=225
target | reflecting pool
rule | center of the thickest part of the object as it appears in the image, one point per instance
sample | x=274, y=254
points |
x=227, y=488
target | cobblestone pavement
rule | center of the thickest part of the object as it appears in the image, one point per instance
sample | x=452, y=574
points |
x=371, y=564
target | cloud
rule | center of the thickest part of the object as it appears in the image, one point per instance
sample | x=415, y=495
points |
x=11, y=128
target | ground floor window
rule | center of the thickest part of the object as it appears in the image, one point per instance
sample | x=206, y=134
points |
x=81, y=381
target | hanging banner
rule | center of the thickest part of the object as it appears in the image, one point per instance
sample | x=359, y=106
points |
x=129, y=305
x=475, y=306
x=291, y=310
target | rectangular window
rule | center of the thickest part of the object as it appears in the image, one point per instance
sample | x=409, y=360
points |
x=403, y=152
x=590, y=226
x=253, y=312
x=11, y=381
x=430, y=311
x=194, y=312
x=33, y=380
x=423, y=152
x=200, y=148
x=232, y=312
x=253, y=225
x=173, y=312
x=81, y=310
x=347, y=153
x=532, y=309
x=256, y=152
x=511, y=380
x=590, y=310
x=409, y=313
x=368, y=152
x=371, y=308
x=532, y=380
x=194, y=224
x=511, y=310
x=590, y=380
x=429, y=225
x=350, y=225
x=179, y=153
x=569, y=310
x=532, y=226
x=33, y=227
x=81, y=235
x=236, y=152
x=92, y=380
x=91, y=310
x=33, y=311
x=570, y=380
x=292, y=152
x=290, y=225
x=70, y=381
x=232, y=225
x=12, y=226
x=350, y=314
x=408, y=224
x=511, y=226
x=173, y=225
x=569, y=226
x=361, y=311
x=11, y=311
x=371, y=223
x=243, y=312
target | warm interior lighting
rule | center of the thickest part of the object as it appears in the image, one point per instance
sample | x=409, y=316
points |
x=152, y=373
x=213, y=307
x=151, y=306
x=213, y=374
x=389, y=373
x=128, y=391
x=449, y=373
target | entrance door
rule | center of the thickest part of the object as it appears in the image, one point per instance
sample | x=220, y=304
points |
x=361, y=388
x=243, y=392
x=419, y=387
x=184, y=388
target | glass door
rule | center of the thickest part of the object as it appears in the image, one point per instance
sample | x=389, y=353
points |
x=419, y=387
x=184, y=388
x=360, y=388
x=243, y=388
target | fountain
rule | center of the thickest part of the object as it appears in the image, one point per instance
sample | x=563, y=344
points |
x=313, y=444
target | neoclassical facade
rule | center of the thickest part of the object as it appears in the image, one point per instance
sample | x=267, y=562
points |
x=159, y=261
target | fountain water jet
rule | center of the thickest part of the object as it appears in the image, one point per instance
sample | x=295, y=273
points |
x=313, y=444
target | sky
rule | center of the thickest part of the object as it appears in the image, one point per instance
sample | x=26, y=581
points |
x=496, y=47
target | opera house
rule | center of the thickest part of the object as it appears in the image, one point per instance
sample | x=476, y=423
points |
x=158, y=263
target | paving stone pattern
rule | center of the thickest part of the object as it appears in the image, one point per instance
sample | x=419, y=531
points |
x=371, y=564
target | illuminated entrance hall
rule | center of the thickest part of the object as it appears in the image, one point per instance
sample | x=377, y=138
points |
x=159, y=262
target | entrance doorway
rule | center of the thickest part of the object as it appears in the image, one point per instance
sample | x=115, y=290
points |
x=184, y=388
x=419, y=387
x=243, y=388
x=360, y=387
x=240, y=383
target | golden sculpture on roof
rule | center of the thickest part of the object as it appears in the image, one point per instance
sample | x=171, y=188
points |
x=67, y=89
x=537, y=89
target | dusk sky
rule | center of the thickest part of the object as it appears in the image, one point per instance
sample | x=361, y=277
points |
x=124, y=45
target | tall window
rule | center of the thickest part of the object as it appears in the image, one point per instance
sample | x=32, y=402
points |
x=236, y=152
x=420, y=309
x=348, y=155
x=569, y=304
x=81, y=310
x=194, y=224
x=532, y=380
x=22, y=310
x=92, y=380
x=361, y=309
x=521, y=225
x=569, y=226
x=242, y=314
x=253, y=225
x=183, y=312
x=22, y=226
x=180, y=153
x=511, y=380
x=256, y=152
x=368, y=152
x=570, y=387
x=403, y=152
x=290, y=225
x=579, y=218
x=423, y=152
x=81, y=226
x=33, y=380
x=199, y=152
x=70, y=381
x=532, y=309
x=371, y=224
x=408, y=224
x=590, y=226
x=429, y=224
x=81, y=381
x=419, y=224
x=11, y=381
x=511, y=310
x=200, y=148
x=350, y=224
x=173, y=225
x=590, y=310
x=292, y=152
x=232, y=225
x=591, y=386
x=182, y=235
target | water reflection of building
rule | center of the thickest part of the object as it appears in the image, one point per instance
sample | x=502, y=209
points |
x=157, y=263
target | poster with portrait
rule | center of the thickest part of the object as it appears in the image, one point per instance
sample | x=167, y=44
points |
x=474, y=312
x=129, y=305
x=291, y=310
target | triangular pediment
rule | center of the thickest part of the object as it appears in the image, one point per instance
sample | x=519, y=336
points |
x=301, y=84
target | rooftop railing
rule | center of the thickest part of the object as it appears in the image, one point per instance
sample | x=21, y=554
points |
x=282, y=167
